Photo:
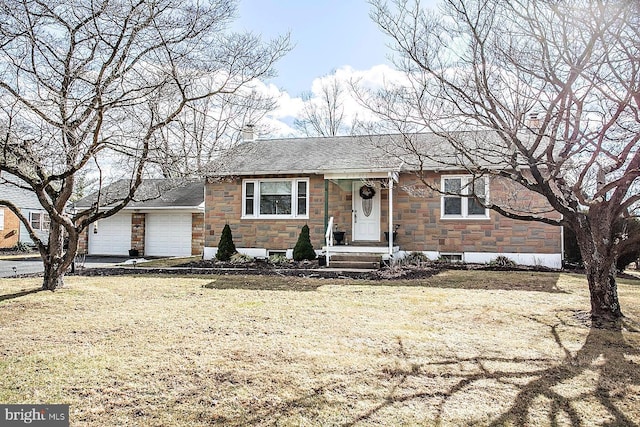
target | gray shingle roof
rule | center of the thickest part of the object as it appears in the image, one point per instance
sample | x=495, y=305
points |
x=369, y=153
x=21, y=197
x=152, y=193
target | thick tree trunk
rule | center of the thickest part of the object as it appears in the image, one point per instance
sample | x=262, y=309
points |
x=596, y=243
x=54, y=259
x=605, y=307
x=53, y=277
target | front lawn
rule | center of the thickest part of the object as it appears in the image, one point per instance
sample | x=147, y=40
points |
x=460, y=348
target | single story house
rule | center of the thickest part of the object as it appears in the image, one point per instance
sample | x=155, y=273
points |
x=12, y=230
x=166, y=218
x=361, y=194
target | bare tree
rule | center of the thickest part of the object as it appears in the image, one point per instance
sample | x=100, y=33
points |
x=82, y=81
x=207, y=127
x=557, y=84
x=323, y=113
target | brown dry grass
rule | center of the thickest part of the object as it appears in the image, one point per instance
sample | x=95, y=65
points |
x=461, y=348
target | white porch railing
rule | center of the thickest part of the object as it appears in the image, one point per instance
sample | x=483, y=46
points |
x=329, y=239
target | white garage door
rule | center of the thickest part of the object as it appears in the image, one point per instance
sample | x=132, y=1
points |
x=168, y=234
x=113, y=236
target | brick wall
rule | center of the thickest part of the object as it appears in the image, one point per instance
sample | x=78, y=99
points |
x=138, y=232
x=10, y=233
x=83, y=243
x=223, y=204
x=415, y=208
x=197, y=233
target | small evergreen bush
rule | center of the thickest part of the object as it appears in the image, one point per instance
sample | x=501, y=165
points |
x=226, y=247
x=303, y=248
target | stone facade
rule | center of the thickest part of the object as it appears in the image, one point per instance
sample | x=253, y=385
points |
x=138, y=232
x=83, y=243
x=416, y=209
x=197, y=233
x=10, y=233
x=223, y=205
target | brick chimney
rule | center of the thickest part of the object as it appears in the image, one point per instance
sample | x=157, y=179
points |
x=247, y=133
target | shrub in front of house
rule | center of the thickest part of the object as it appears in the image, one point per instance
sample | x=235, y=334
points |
x=303, y=248
x=239, y=258
x=415, y=258
x=226, y=247
x=278, y=259
x=502, y=261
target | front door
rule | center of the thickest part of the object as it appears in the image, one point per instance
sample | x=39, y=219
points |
x=366, y=212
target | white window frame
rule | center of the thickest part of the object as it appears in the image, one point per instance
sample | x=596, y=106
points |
x=465, y=181
x=256, y=199
x=41, y=220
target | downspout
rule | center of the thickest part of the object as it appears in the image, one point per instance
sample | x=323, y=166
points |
x=326, y=203
x=390, y=217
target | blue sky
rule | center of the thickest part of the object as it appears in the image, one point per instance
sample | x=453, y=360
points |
x=327, y=34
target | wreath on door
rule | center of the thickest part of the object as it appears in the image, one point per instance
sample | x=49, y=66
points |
x=367, y=192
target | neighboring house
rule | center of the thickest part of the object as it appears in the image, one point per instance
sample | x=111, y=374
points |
x=166, y=218
x=267, y=190
x=12, y=230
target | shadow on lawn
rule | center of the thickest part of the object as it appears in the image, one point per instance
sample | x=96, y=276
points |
x=605, y=352
x=538, y=392
x=19, y=294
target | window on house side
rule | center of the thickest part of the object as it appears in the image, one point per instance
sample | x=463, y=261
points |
x=454, y=206
x=39, y=220
x=249, y=198
x=46, y=221
x=272, y=198
x=35, y=220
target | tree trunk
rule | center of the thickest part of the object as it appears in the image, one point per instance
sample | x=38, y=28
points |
x=54, y=258
x=605, y=307
x=599, y=257
x=53, y=277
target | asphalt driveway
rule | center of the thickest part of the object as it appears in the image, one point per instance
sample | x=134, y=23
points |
x=32, y=264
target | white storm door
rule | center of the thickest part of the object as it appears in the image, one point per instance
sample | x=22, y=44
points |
x=366, y=215
x=167, y=234
x=112, y=237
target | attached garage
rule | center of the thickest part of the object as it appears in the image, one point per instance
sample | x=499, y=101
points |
x=158, y=222
x=111, y=236
x=168, y=234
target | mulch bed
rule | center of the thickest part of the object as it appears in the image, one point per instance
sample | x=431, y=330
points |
x=302, y=269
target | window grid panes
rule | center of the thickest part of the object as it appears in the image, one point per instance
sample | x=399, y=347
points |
x=275, y=198
x=463, y=207
x=302, y=197
x=46, y=221
x=249, y=198
x=35, y=220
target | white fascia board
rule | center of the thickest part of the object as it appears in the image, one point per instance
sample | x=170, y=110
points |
x=356, y=175
x=379, y=173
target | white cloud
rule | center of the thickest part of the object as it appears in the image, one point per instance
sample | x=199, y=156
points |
x=280, y=121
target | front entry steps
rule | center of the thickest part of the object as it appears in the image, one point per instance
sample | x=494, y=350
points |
x=356, y=261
